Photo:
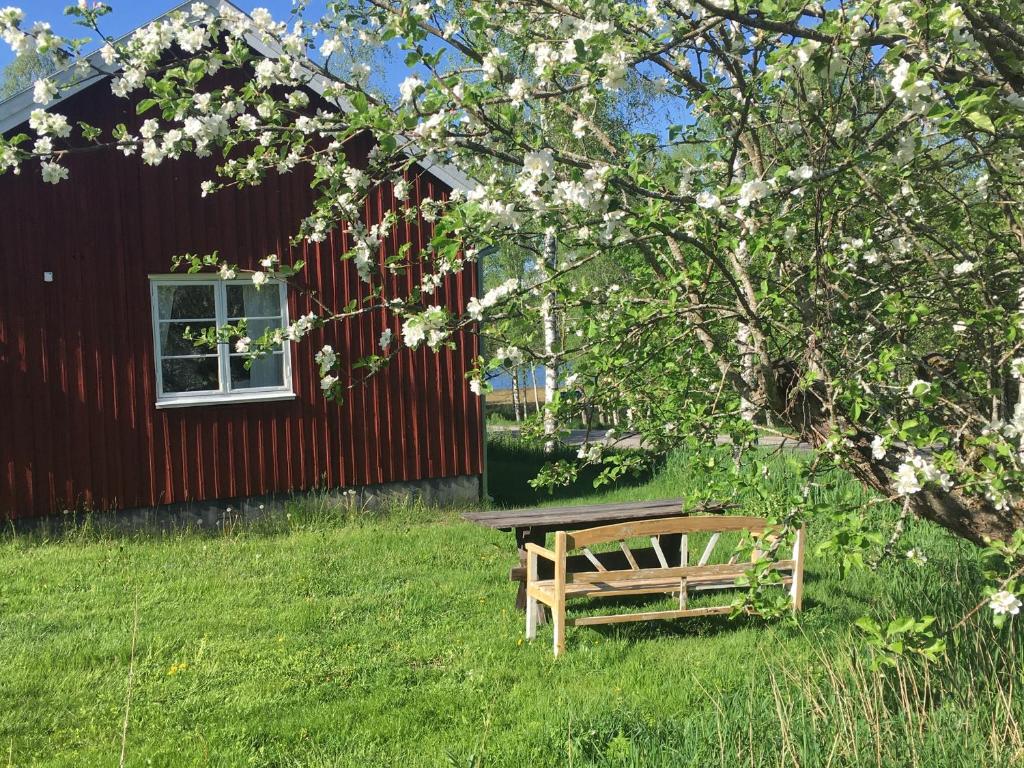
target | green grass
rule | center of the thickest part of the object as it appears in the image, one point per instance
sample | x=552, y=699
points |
x=329, y=638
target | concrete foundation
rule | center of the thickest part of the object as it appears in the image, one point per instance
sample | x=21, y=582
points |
x=214, y=514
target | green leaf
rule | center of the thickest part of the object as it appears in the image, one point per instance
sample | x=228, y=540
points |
x=981, y=120
x=145, y=105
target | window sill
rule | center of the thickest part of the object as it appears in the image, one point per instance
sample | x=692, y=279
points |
x=232, y=399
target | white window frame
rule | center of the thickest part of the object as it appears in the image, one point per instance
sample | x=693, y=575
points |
x=223, y=395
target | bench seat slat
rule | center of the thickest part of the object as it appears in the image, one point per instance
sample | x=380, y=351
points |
x=607, y=587
x=586, y=621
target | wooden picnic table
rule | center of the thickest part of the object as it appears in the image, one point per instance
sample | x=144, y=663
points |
x=534, y=524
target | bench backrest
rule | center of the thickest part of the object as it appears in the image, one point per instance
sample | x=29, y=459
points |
x=664, y=526
x=758, y=527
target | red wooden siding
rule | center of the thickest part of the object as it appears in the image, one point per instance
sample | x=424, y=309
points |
x=78, y=425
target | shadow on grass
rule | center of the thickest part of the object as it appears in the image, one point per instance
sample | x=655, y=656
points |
x=513, y=463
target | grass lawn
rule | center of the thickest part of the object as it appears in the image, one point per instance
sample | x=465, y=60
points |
x=327, y=639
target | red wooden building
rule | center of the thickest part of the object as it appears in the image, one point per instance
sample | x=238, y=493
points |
x=106, y=407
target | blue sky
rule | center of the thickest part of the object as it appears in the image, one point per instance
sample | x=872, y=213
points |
x=126, y=16
x=131, y=14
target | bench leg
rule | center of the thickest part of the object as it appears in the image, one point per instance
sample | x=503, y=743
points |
x=796, y=592
x=531, y=618
x=524, y=535
x=558, y=604
x=558, y=620
x=531, y=602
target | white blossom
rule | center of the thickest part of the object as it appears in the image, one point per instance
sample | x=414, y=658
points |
x=326, y=358
x=49, y=124
x=476, y=307
x=492, y=62
x=408, y=88
x=708, y=200
x=803, y=173
x=517, y=91
x=54, y=173
x=906, y=480
x=386, y=338
x=916, y=556
x=752, y=191
x=44, y=91
x=108, y=54
x=878, y=447
x=1003, y=603
x=844, y=128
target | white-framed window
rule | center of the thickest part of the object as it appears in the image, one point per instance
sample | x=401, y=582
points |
x=191, y=375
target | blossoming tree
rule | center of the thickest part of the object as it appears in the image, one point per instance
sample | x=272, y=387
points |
x=821, y=220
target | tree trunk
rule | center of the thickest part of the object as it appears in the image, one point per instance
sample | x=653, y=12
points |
x=550, y=320
x=515, y=392
x=536, y=392
x=747, y=409
x=972, y=518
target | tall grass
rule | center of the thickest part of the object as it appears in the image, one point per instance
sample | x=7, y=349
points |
x=328, y=634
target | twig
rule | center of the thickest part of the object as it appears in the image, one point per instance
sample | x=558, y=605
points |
x=897, y=534
x=978, y=607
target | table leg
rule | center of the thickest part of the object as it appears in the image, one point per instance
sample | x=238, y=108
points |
x=523, y=536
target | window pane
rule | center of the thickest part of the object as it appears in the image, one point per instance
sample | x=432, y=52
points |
x=247, y=301
x=173, y=341
x=188, y=302
x=190, y=375
x=254, y=329
x=266, y=372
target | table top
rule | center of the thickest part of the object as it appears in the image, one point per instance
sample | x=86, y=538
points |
x=563, y=517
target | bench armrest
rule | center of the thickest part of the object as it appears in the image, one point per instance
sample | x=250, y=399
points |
x=537, y=549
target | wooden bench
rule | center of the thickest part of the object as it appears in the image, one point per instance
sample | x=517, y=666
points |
x=662, y=578
x=533, y=525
